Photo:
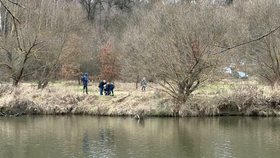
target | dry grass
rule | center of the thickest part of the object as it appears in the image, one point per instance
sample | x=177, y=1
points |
x=67, y=98
x=246, y=99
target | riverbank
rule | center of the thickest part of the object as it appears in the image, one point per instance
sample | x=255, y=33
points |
x=67, y=98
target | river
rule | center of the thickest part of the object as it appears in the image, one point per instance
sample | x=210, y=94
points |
x=109, y=137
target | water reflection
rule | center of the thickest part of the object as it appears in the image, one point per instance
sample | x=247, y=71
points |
x=104, y=146
x=141, y=123
x=86, y=144
x=92, y=137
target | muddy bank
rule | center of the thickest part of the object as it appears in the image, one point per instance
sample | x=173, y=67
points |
x=59, y=101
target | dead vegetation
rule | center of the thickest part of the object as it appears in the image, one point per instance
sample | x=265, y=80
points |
x=64, y=100
x=60, y=100
x=246, y=100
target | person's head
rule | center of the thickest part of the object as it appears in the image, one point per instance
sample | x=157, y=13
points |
x=144, y=78
x=86, y=74
x=104, y=81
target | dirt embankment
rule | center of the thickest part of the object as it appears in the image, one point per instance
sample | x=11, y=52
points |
x=59, y=101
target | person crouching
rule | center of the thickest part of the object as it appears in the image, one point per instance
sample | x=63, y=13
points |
x=107, y=89
x=111, y=89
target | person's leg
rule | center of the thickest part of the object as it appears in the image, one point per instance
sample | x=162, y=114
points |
x=86, y=89
x=101, y=91
x=112, y=92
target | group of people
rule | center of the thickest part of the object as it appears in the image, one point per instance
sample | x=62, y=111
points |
x=105, y=87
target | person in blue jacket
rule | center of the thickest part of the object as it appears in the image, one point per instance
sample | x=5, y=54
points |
x=85, y=81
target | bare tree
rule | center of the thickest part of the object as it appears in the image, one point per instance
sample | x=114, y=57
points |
x=23, y=52
x=107, y=13
x=91, y=7
x=178, y=46
x=262, y=16
x=17, y=55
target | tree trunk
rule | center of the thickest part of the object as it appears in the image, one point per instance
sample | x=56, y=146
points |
x=183, y=93
x=15, y=82
x=43, y=84
x=79, y=80
x=181, y=98
x=176, y=108
x=137, y=81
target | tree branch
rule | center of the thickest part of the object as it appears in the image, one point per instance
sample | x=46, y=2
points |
x=15, y=3
x=247, y=42
x=6, y=64
x=9, y=11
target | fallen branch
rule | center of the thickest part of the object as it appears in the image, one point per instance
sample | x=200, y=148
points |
x=2, y=114
x=15, y=115
x=123, y=98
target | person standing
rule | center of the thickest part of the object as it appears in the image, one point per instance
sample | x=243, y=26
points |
x=111, y=89
x=85, y=81
x=143, y=84
x=101, y=86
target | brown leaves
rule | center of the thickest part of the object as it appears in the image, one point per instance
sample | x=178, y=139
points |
x=109, y=66
x=69, y=71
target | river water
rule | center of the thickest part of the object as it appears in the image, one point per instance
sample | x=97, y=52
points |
x=106, y=137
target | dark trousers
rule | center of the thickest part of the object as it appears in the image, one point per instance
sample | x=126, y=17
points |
x=101, y=91
x=85, y=88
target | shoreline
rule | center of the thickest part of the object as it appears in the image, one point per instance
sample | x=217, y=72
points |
x=133, y=116
x=56, y=101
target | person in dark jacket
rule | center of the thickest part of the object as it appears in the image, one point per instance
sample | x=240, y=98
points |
x=111, y=89
x=101, y=86
x=107, y=89
x=85, y=81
